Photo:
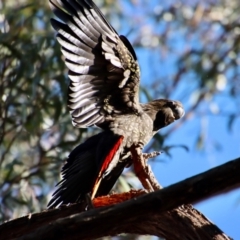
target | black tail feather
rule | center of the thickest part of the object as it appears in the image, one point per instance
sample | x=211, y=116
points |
x=81, y=170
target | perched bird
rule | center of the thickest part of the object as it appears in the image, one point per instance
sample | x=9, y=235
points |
x=104, y=92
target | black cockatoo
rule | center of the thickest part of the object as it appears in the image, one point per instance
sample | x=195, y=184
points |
x=104, y=92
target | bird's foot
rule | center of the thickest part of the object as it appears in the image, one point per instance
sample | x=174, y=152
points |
x=142, y=170
x=89, y=202
x=146, y=156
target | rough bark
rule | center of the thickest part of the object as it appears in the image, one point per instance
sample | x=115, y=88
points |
x=160, y=213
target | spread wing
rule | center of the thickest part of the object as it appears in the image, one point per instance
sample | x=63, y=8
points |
x=103, y=69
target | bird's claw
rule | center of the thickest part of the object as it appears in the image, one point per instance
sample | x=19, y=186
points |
x=146, y=156
x=89, y=202
x=142, y=170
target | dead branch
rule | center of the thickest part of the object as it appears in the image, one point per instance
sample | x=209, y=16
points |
x=148, y=214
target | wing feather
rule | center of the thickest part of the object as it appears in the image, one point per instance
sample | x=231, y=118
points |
x=103, y=69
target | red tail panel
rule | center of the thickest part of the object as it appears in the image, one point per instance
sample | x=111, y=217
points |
x=106, y=163
x=110, y=156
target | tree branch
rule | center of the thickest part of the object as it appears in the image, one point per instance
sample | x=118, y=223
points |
x=148, y=214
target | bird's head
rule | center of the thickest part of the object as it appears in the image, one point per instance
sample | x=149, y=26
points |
x=163, y=112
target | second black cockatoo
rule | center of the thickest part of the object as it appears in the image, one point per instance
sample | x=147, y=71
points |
x=104, y=92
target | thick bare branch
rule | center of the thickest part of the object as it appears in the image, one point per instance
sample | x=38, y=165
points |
x=148, y=214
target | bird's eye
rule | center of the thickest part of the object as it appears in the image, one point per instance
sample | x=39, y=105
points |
x=172, y=104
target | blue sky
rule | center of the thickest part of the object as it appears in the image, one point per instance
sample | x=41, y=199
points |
x=220, y=144
x=223, y=210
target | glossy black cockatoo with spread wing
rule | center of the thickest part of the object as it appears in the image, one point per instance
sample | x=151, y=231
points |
x=104, y=92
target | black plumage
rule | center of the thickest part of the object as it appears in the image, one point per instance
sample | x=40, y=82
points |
x=104, y=92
